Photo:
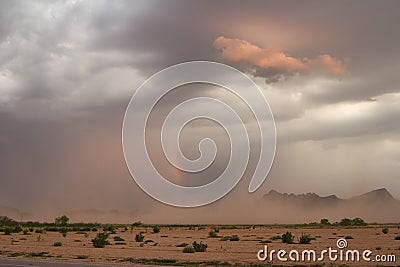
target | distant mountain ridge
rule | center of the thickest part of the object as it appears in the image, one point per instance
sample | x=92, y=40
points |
x=378, y=195
x=375, y=205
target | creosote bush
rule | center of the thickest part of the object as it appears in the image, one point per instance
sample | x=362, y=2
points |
x=100, y=241
x=287, y=238
x=234, y=238
x=199, y=247
x=139, y=237
x=189, y=249
x=212, y=234
x=156, y=229
x=118, y=238
x=385, y=230
x=57, y=244
x=305, y=239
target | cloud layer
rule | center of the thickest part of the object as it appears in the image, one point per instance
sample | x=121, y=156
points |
x=269, y=62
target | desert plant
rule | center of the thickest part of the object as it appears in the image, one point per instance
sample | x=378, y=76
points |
x=325, y=222
x=378, y=248
x=118, y=238
x=17, y=229
x=397, y=237
x=305, y=239
x=137, y=224
x=25, y=232
x=139, y=237
x=212, y=234
x=188, y=249
x=287, y=238
x=57, y=244
x=234, y=238
x=348, y=237
x=100, y=241
x=7, y=231
x=385, y=230
x=63, y=231
x=62, y=220
x=199, y=247
x=156, y=229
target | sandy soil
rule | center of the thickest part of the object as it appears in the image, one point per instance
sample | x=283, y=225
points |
x=164, y=245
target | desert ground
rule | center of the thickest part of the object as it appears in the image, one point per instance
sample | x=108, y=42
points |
x=166, y=246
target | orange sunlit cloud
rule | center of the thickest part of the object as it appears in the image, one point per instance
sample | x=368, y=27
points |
x=237, y=50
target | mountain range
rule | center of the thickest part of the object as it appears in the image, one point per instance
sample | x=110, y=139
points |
x=374, y=206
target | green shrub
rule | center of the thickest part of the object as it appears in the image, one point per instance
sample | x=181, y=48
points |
x=199, y=247
x=397, y=237
x=62, y=220
x=17, y=229
x=325, y=222
x=100, y=241
x=118, y=238
x=7, y=231
x=305, y=239
x=348, y=237
x=287, y=238
x=385, y=230
x=57, y=244
x=189, y=249
x=378, y=248
x=234, y=238
x=25, y=232
x=139, y=237
x=225, y=238
x=137, y=224
x=156, y=229
x=212, y=234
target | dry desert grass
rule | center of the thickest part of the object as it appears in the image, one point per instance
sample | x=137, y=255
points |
x=165, y=247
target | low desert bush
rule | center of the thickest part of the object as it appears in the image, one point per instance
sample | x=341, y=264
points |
x=188, y=249
x=7, y=231
x=212, y=234
x=199, y=247
x=305, y=239
x=156, y=229
x=100, y=241
x=139, y=237
x=348, y=237
x=397, y=237
x=287, y=238
x=385, y=230
x=234, y=238
x=182, y=245
x=57, y=244
x=118, y=238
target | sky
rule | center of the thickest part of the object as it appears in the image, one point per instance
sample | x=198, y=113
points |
x=329, y=70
